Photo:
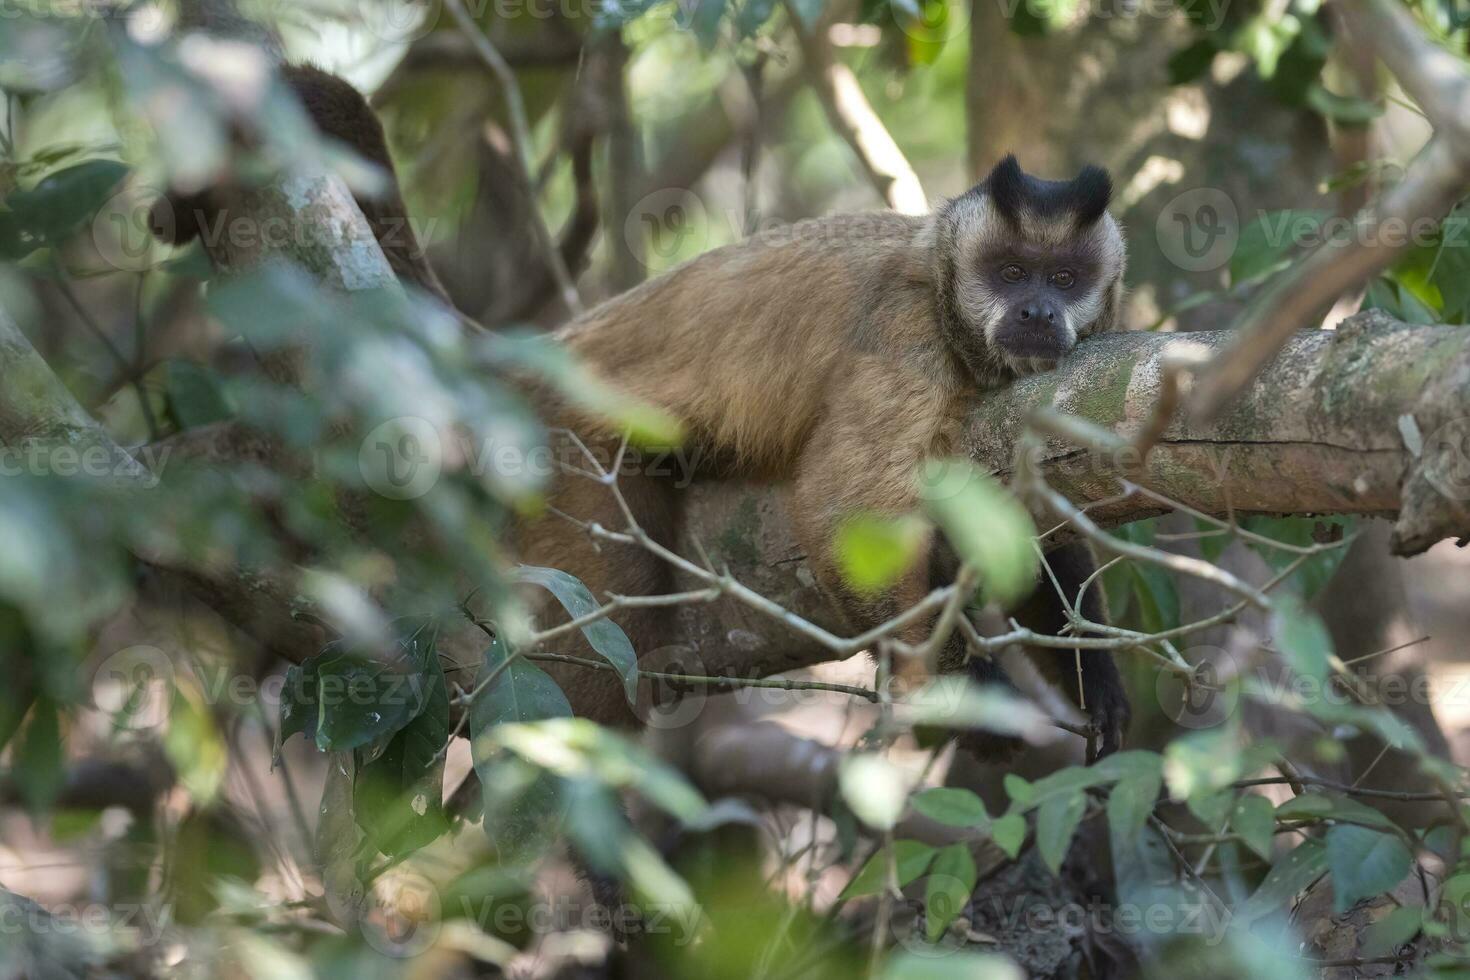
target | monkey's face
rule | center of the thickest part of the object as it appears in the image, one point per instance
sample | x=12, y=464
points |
x=1032, y=267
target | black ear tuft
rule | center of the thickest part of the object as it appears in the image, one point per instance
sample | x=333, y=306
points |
x=1091, y=192
x=1007, y=187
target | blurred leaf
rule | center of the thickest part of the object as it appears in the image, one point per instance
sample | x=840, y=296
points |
x=1192, y=62
x=1321, y=806
x=954, y=966
x=604, y=636
x=808, y=11
x=193, y=744
x=1344, y=109
x=61, y=204
x=575, y=748
x=702, y=17
x=874, y=552
x=195, y=395
x=1295, y=870
x=752, y=17
x=1265, y=243
x=39, y=763
x=1140, y=776
x=1392, y=931
x=1018, y=789
x=36, y=53
x=1317, y=570
x=988, y=527
x=1056, y=822
x=1364, y=863
x=1265, y=38
x=912, y=859
x=1009, y=833
x=1302, y=638
x=338, y=839
x=952, y=807
x=648, y=425
x=1255, y=821
x=874, y=788
x=399, y=797
x=948, y=888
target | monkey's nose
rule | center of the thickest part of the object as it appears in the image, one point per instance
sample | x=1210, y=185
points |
x=1038, y=311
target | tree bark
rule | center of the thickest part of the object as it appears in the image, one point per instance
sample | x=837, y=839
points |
x=1365, y=419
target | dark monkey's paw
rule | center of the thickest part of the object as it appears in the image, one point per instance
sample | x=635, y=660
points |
x=1108, y=713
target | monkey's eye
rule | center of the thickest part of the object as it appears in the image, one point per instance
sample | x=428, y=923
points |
x=1063, y=279
x=1012, y=273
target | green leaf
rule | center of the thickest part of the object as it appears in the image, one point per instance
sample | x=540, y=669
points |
x=808, y=11
x=195, y=396
x=874, y=551
x=953, y=966
x=1255, y=822
x=952, y=807
x=399, y=797
x=604, y=636
x=704, y=20
x=1316, y=571
x=575, y=748
x=194, y=747
x=343, y=699
x=874, y=788
x=1323, y=807
x=911, y=858
x=1364, y=863
x=1056, y=822
x=1344, y=109
x=65, y=202
x=1265, y=243
x=1303, y=639
x=1009, y=833
x=1133, y=798
x=1191, y=62
x=948, y=888
x=1018, y=789
x=989, y=528
x=752, y=17
x=1296, y=870
x=39, y=765
x=1392, y=931
x=516, y=691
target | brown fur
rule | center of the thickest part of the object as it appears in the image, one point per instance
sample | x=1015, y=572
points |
x=833, y=363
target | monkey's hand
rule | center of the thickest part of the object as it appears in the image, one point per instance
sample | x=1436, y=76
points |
x=1107, y=705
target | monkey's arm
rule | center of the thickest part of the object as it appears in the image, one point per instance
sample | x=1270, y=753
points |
x=1089, y=677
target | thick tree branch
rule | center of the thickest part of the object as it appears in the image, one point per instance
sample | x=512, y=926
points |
x=1361, y=420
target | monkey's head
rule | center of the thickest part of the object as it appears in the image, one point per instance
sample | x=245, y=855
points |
x=1027, y=268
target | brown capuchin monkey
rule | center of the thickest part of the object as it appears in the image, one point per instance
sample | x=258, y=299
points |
x=832, y=363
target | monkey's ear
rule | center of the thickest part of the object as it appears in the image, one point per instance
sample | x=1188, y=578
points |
x=1091, y=192
x=1007, y=187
